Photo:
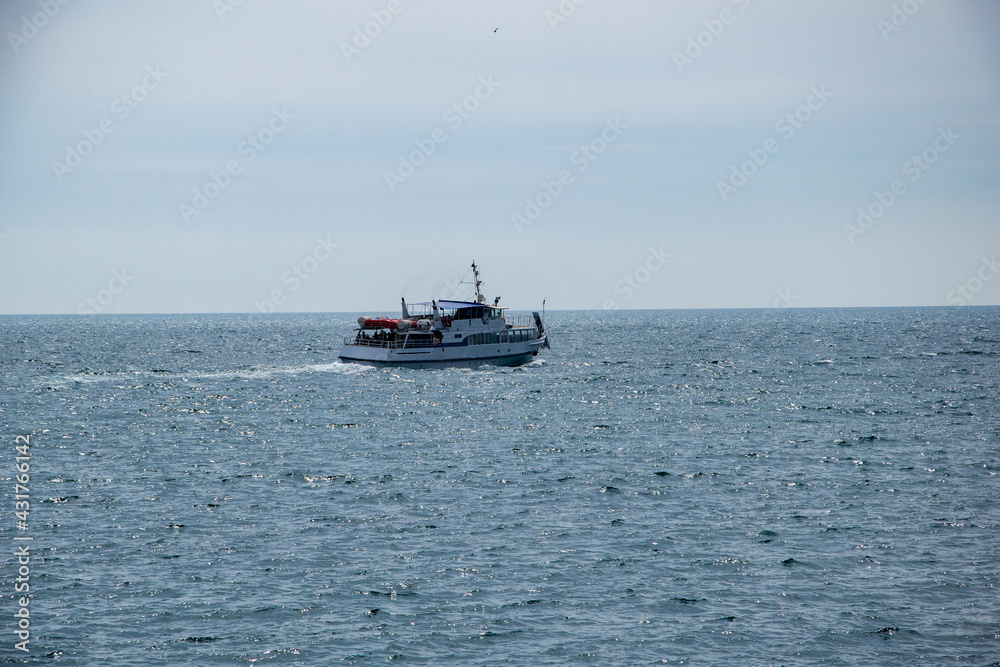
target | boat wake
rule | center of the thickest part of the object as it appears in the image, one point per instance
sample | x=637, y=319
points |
x=265, y=373
x=164, y=375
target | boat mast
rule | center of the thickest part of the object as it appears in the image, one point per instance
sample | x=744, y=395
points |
x=475, y=272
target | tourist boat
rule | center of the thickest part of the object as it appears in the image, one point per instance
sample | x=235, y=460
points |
x=444, y=333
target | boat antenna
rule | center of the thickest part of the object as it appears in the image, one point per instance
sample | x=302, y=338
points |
x=542, y=327
x=475, y=272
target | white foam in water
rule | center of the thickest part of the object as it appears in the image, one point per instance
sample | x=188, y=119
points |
x=340, y=367
x=252, y=374
x=263, y=373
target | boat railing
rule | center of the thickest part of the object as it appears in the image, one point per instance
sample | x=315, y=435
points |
x=389, y=344
x=519, y=321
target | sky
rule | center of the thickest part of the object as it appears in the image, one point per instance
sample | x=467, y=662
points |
x=210, y=156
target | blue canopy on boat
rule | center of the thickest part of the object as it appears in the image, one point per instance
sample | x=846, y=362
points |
x=455, y=304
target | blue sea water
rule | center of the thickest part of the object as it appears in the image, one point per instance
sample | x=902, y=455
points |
x=765, y=487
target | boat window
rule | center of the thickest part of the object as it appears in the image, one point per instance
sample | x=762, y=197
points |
x=468, y=313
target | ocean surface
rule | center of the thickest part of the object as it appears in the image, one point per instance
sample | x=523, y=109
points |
x=738, y=487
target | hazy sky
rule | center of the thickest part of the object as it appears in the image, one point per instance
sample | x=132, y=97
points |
x=227, y=156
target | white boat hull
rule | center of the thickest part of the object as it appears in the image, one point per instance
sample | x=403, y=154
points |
x=460, y=356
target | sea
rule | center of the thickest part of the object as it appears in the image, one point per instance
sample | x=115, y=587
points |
x=681, y=487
